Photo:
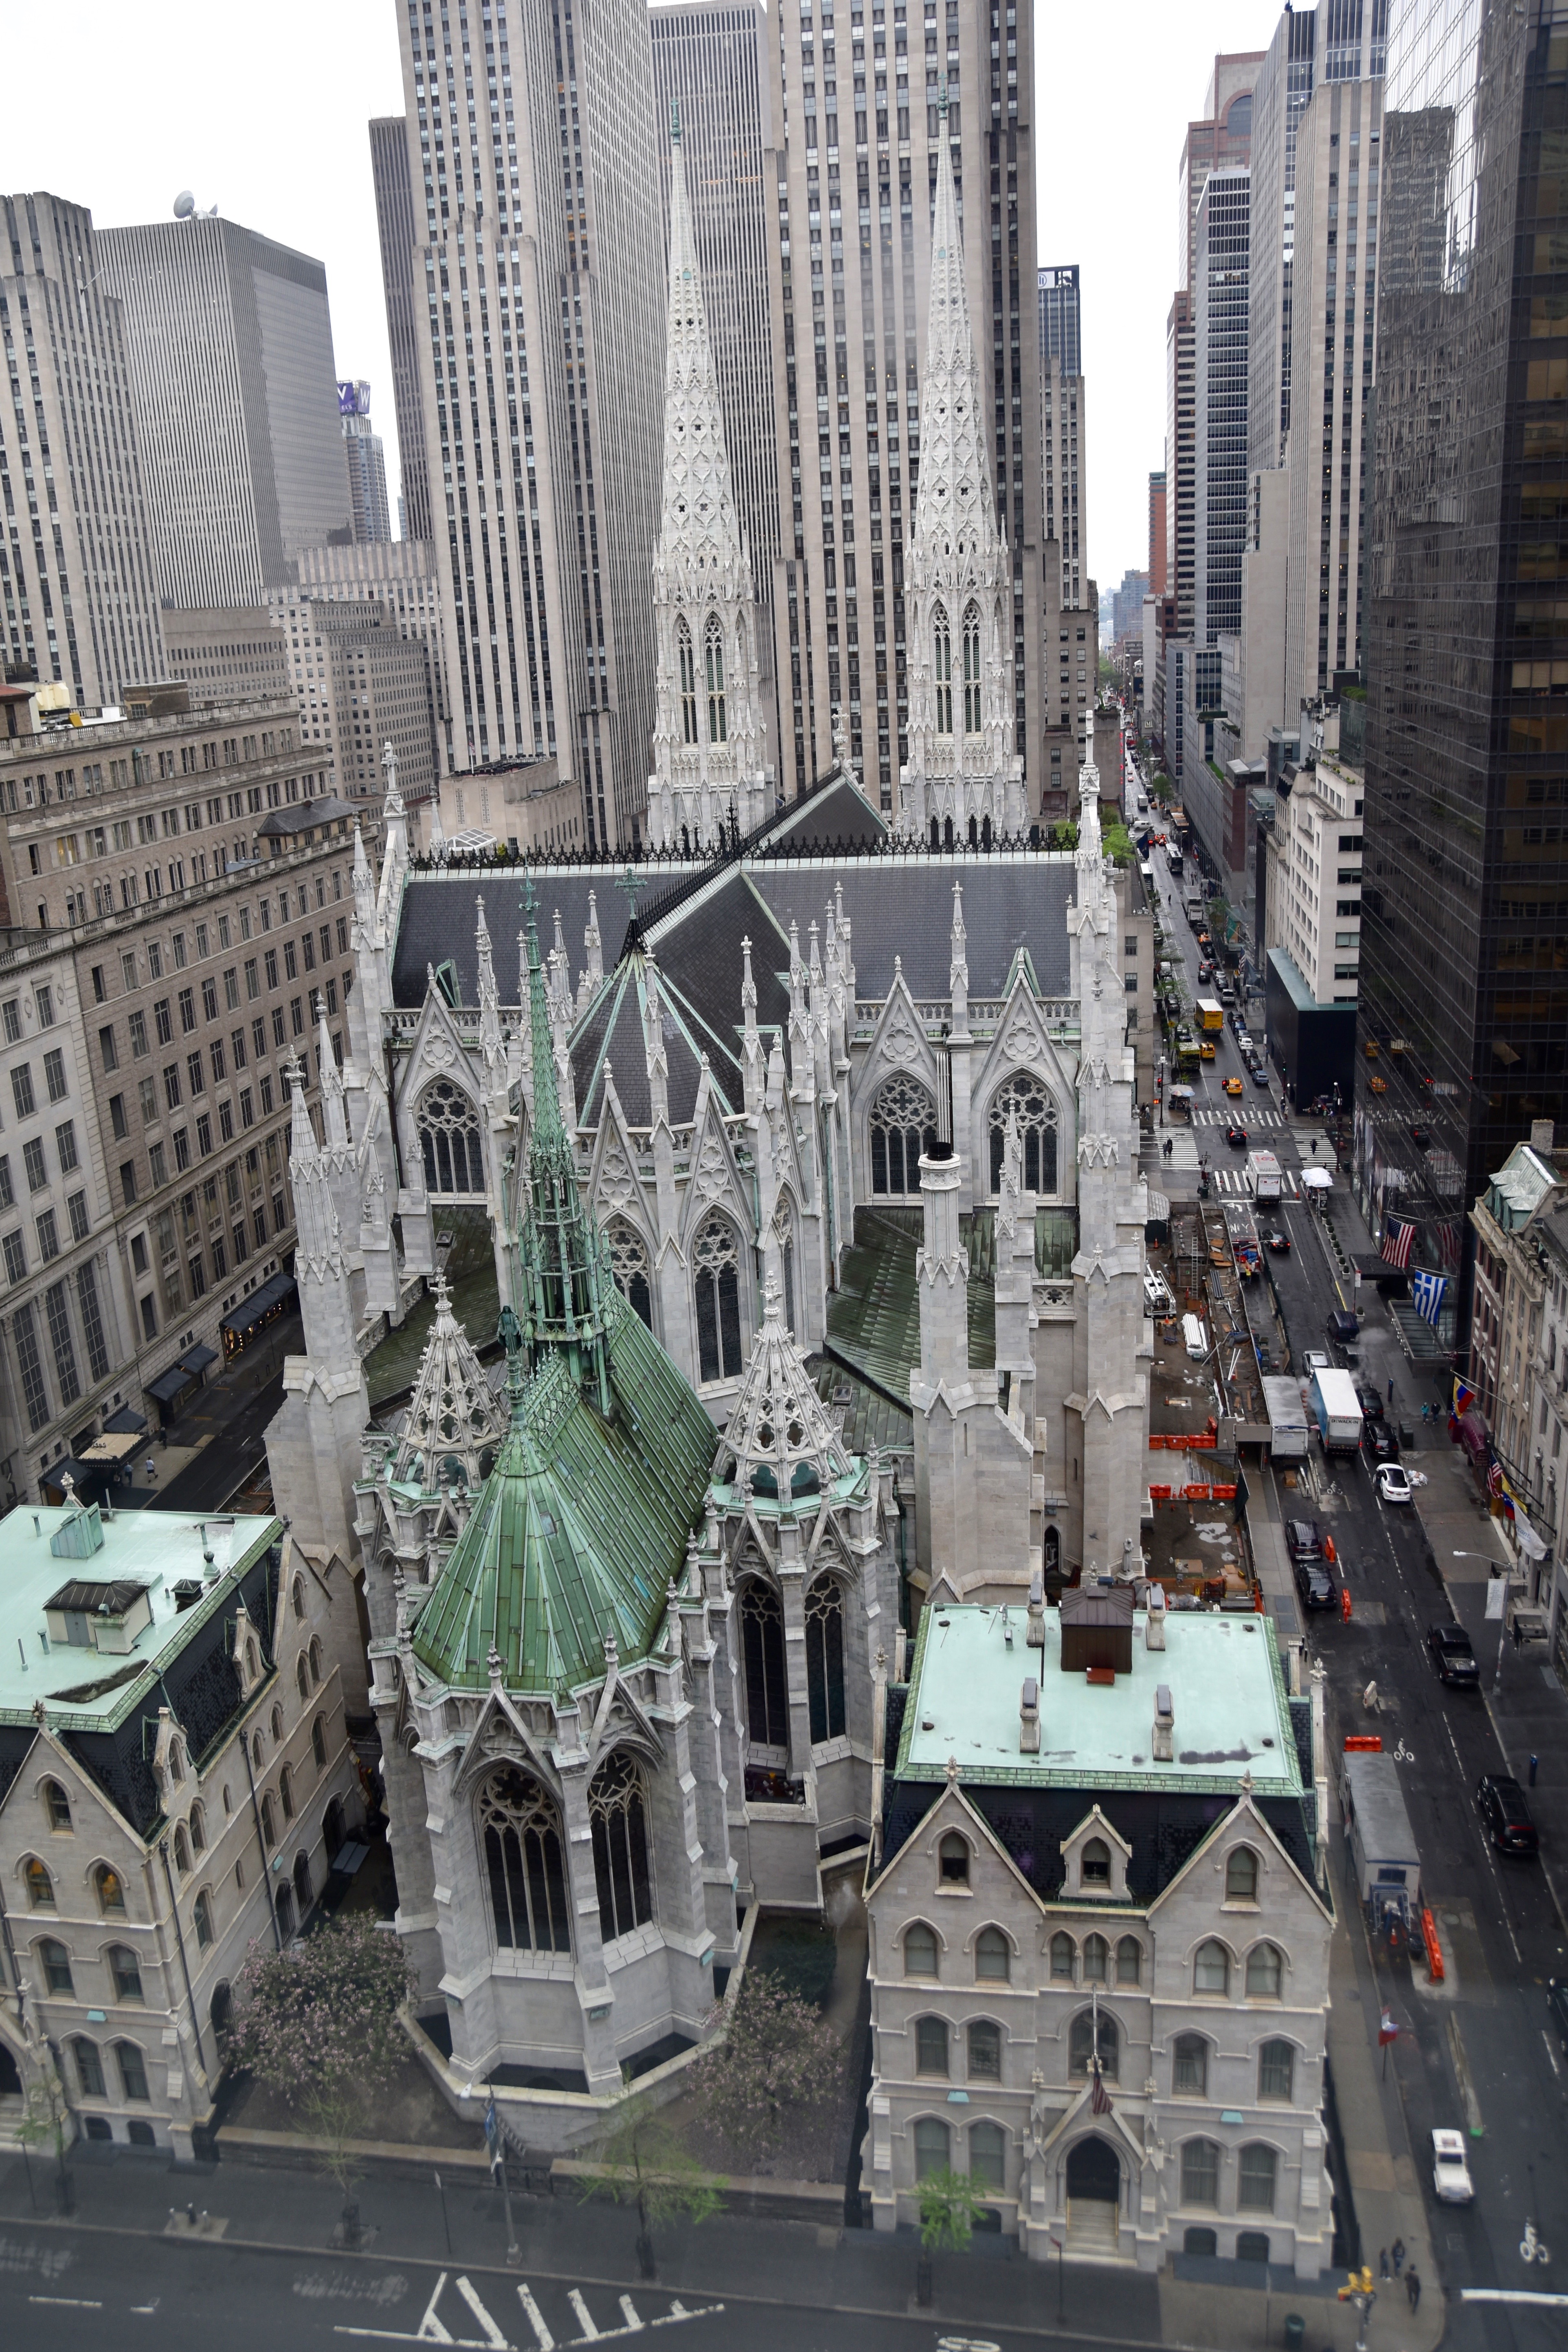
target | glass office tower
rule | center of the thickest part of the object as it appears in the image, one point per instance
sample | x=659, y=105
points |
x=1464, y=962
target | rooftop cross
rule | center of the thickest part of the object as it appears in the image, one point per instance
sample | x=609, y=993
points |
x=629, y=885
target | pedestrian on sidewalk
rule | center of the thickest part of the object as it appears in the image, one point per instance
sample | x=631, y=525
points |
x=1412, y=2287
x=1391, y=1389
x=1382, y=2270
x=1398, y=2250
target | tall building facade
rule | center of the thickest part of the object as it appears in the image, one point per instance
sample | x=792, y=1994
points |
x=402, y=574
x=1220, y=402
x=395, y=228
x=1157, y=533
x=1222, y=137
x=854, y=112
x=532, y=148
x=710, y=64
x=234, y=391
x=1284, y=86
x=1064, y=441
x=1334, y=337
x=1181, y=488
x=367, y=463
x=1464, y=931
x=1061, y=327
x=79, y=597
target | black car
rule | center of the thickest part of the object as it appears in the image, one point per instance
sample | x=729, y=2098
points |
x=1499, y=1800
x=1379, y=1439
x=1370, y=1400
x=1236, y=1138
x=1315, y=1586
x=1557, y=2004
x=1278, y=1243
x=1303, y=1539
x=1453, y=1656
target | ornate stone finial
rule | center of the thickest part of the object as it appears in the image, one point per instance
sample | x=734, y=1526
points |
x=952, y=1771
x=67, y=1488
x=40, y=1713
x=495, y=1666
x=942, y=102
x=773, y=1294
x=675, y=122
x=1246, y=1782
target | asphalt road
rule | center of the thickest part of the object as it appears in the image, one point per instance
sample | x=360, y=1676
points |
x=61, y=2291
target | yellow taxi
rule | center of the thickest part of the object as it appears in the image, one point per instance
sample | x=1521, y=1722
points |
x=1232, y=1085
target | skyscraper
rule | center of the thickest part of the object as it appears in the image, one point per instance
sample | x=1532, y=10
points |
x=1060, y=329
x=709, y=62
x=1157, y=533
x=1284, y=86
x=850, y=237
x=1064, y=441
x=534, y=159
x=1223, y=136
x=1180, y=484
x=1463, y=950
x=1219, y=403
x=394, y=225
x=79, y=601
x=367, y=463
x=234, y=390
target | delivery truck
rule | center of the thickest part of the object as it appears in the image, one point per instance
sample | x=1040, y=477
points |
x=1335, y=1410
x=1286, y=1419
x=1264, y=1169
x=1210, y=1012
x=1383, y=1862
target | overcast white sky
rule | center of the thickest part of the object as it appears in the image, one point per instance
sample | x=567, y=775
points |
x=263, y=112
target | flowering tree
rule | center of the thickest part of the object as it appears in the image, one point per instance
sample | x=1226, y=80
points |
x=318, y=2023
x=646, y=2164
x=779, y=2060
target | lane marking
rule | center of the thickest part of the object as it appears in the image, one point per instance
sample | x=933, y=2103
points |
x=543, y=2338
x=493, y=2336
x=67, y=2301
x=430, y=2330
x=1511, y=2295
x=584, y=2318
x=629, y=2312
x=1551, y=2054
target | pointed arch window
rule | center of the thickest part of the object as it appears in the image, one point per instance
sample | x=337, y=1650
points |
x=972, y=671
x=1036, y=1131
x=767, y=1692
x=902, y=1125
x=448, y=1128
x=824, y=1659
x=523, y=1861
x=628, y=1265
x=687, y=661
x=716, y=1280
x=942, y=649
x=713, y=665
x=618, y=1814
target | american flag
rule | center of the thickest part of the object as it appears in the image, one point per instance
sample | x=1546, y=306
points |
x=1398, y=1234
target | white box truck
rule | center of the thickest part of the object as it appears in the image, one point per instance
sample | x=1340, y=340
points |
x=1335, y=1409
x=1267, y=1188
x=1286, y=1419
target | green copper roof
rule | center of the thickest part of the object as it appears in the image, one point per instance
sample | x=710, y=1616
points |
x=580, y=1526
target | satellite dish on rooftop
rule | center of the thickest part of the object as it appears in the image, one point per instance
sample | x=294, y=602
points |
x=184, y=204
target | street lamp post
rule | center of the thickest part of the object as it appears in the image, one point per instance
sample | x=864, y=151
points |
x=1498, y=1578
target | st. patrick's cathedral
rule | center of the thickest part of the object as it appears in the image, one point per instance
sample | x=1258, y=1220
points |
x=818, y=1245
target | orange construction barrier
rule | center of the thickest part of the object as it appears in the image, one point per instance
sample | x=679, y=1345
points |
x=1329, y=1554
x=1364, y=1743
x=1346, y=1604
x=1434, y=1949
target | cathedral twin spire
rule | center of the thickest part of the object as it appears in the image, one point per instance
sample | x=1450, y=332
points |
x=707, y=734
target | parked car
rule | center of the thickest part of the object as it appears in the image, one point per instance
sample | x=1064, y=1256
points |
x=1557, y=2006
x=1236, y=1138
x=1379, y=1439
x=1303, y=1539
x=1370, y=1400
x=1314, y=1360
x=1393, y=1486
x=1315, y=1586
x=1343, y=1327
x=1453, y=1656
x=1499, y=1800
x=1259, y=1074
x=1450, y=2173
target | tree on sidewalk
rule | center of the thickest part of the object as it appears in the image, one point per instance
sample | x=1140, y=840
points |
x=948, y=2207
x=318, y=2024
x=778, y=2061
x=646, y=2164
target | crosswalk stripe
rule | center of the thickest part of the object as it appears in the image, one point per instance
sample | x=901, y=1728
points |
x=493, y=2336
x=584, y=2320
x=629, y=2313
x=543, y=2338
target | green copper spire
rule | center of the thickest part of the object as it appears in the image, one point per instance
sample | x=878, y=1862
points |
x=565, y=1275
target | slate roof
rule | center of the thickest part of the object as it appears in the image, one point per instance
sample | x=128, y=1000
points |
x=903, y=907
x=613, y=1029
x=579, y=1527
x=838, y=813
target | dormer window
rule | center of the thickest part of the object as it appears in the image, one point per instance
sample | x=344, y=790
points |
x=953, y=1857
x=1095, y=1870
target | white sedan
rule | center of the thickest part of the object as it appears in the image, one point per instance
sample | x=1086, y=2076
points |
x=1393, y=1486
x=1450, y=2173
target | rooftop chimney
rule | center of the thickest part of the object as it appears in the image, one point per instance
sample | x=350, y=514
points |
x=1154, y=1624
x=1543, y=1132
x=1036, y=1632
x=1165, y=1725
x=1029, y=1717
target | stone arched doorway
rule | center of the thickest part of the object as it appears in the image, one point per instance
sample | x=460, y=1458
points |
x=1094, y=2196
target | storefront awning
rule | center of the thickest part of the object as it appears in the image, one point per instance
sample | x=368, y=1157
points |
x=196, y=1360
x=170, y=1384
x=51, y=1481
x=113, y=1446
x=127, y=1421
x=252, y=1312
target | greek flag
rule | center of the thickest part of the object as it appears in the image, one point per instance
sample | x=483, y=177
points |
x=1428, y=1291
